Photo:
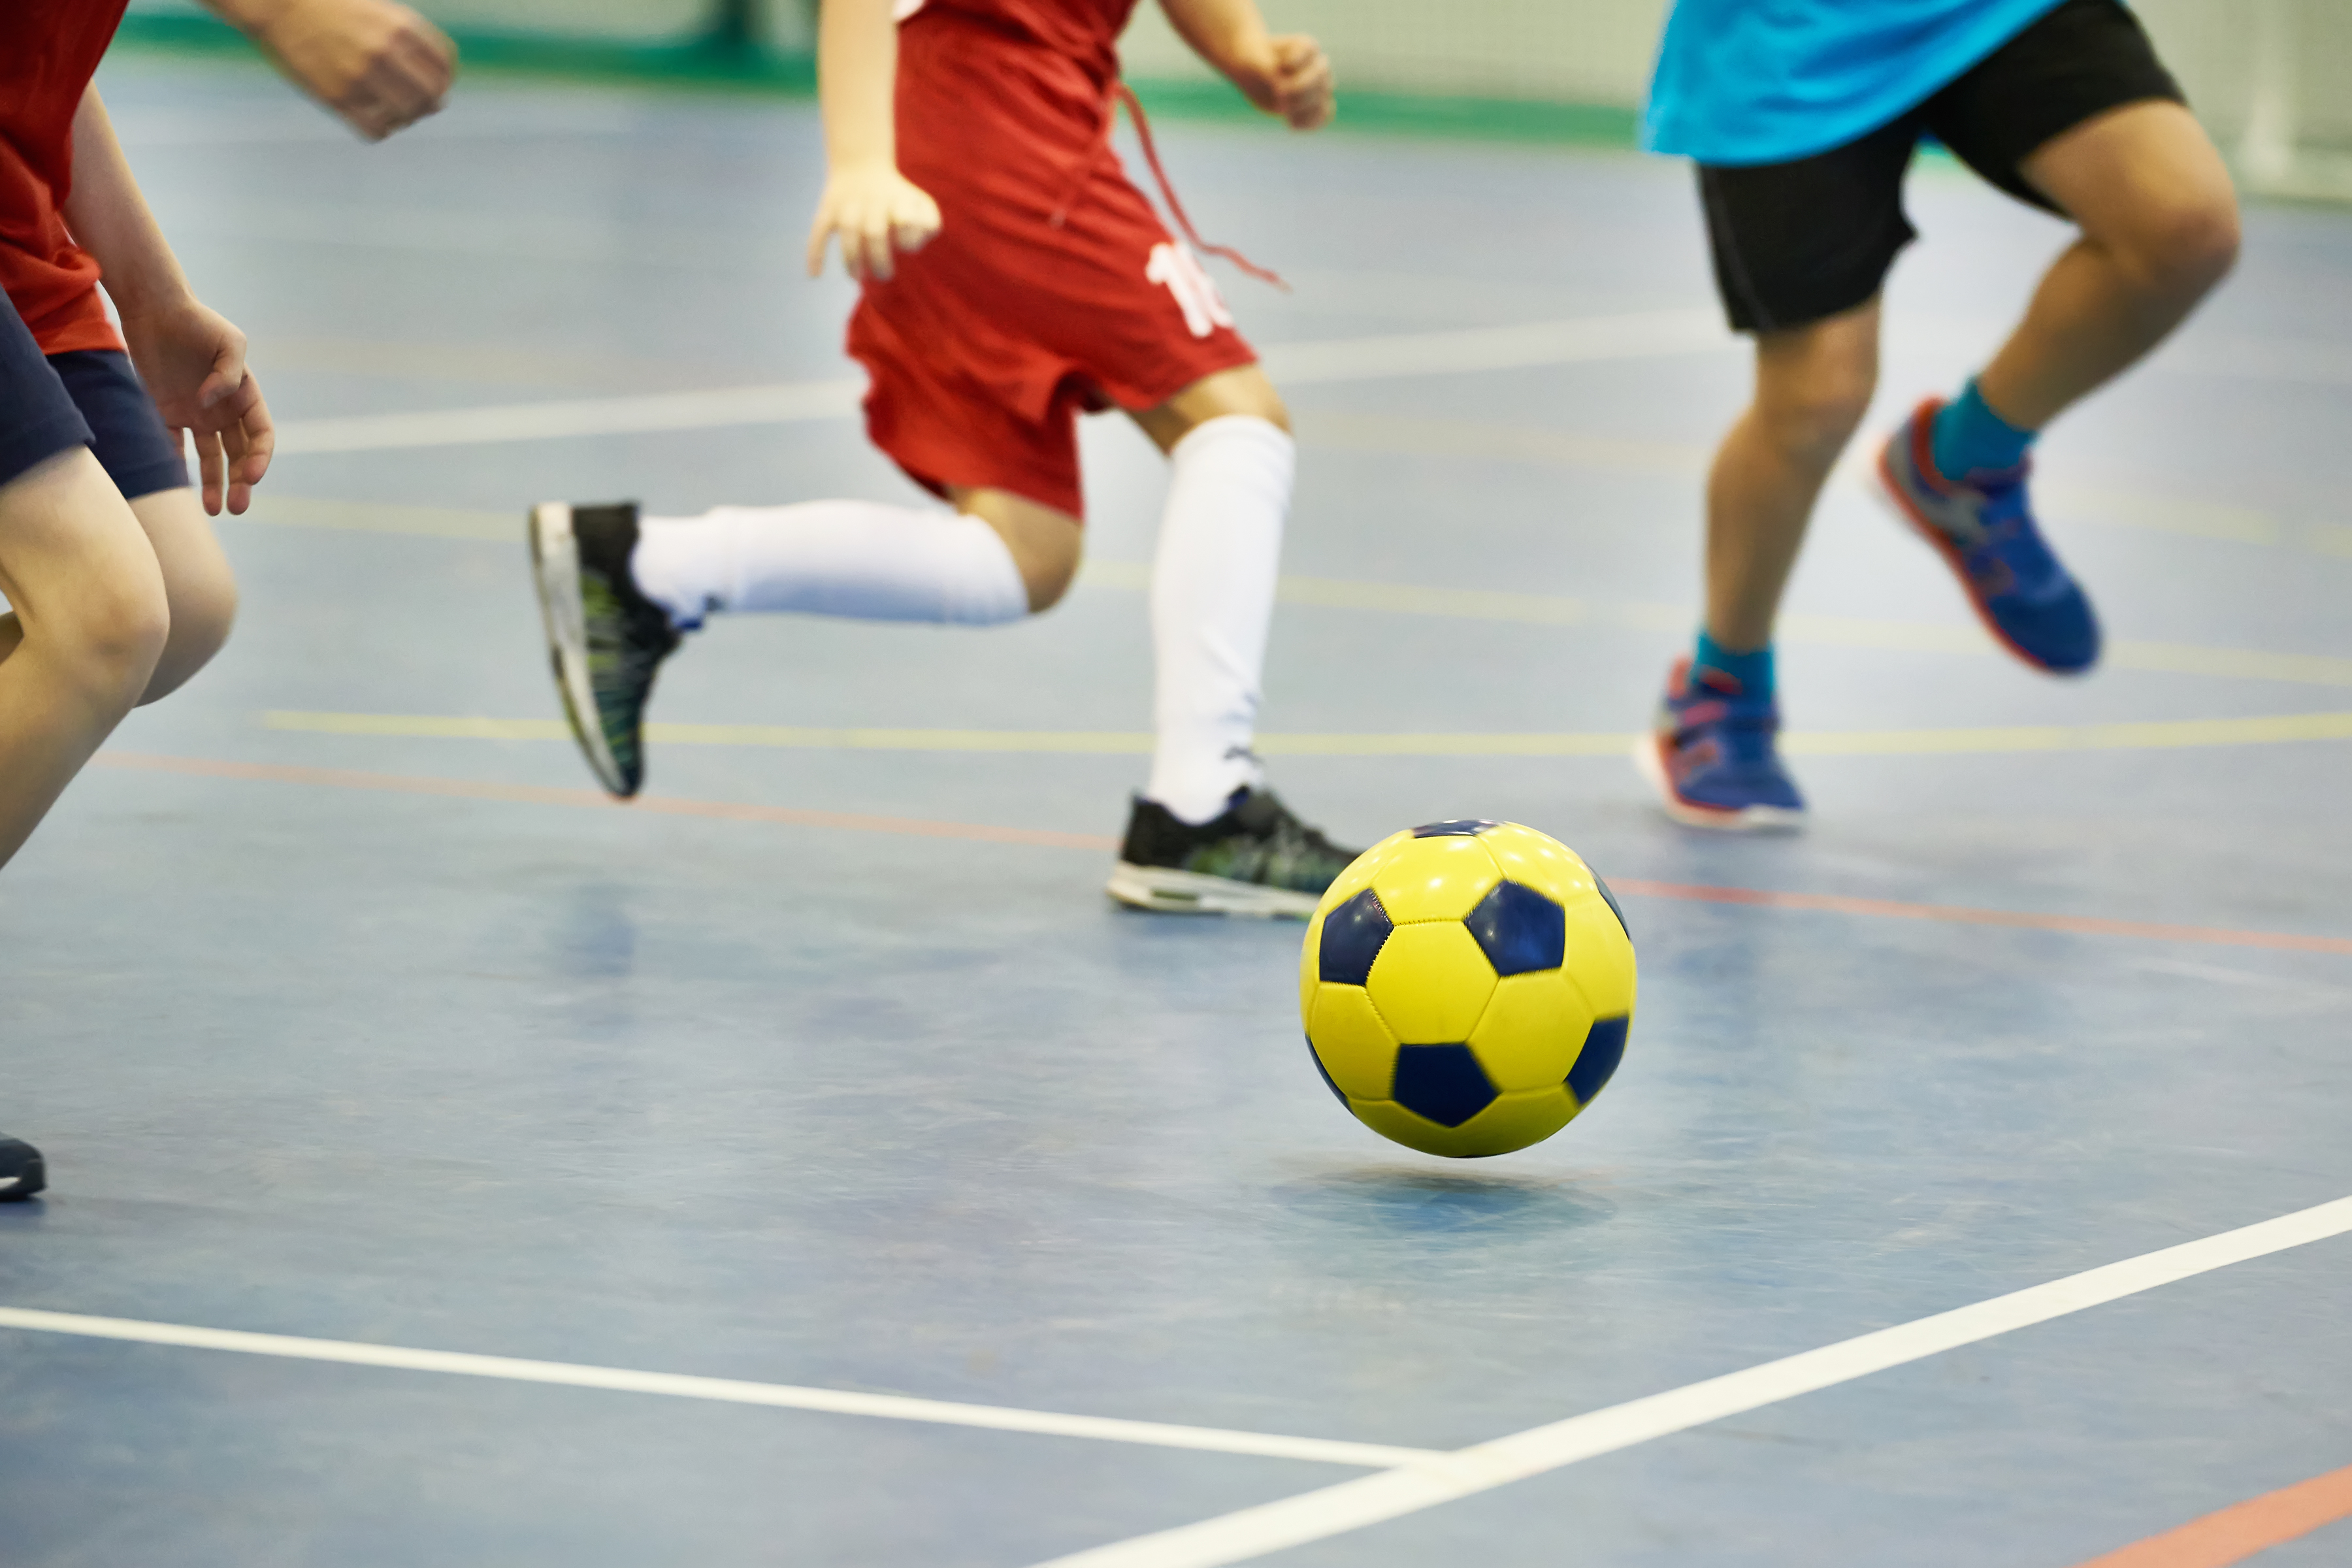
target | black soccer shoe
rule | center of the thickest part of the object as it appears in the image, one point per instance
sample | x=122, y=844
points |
x=21, y=1171
x=1254, y=859
x=604, y=637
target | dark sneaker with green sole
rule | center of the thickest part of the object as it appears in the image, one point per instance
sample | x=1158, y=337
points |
x=1254, y=859
x=604, y=637
x=21, y=1171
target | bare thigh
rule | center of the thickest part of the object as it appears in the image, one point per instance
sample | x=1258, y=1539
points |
x=1242, y=390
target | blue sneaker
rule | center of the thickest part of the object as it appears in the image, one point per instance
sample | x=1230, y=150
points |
x=1983, y=526
x=1712, y=759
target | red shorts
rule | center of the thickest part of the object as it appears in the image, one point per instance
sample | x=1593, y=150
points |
x=992, y=338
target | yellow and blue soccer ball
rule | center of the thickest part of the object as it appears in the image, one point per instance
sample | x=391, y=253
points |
x=1466, y=987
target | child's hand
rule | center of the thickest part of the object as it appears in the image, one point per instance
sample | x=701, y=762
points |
x=1302, y=82
x=874, y=212
x=378, y=65
x=193, y=362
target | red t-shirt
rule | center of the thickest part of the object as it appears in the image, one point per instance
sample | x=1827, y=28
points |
x=49, y=51
x=1085, y=31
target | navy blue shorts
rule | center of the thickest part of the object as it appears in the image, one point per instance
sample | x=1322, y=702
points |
x=89, y=398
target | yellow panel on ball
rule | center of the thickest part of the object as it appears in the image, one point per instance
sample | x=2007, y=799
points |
x=1512, y=1122
x=1438, y=879
x=1352, y=1043
x=1431, y=982
x=1531, y=1030
x=1599, y=957
x=1539, y=860
x=1360, y=871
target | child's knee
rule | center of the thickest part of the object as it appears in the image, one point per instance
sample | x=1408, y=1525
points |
x=1814, y=383
x=201, y=614
x=1047, y=572
x=1819, y=408
x=112, y=636
x=2184, y=243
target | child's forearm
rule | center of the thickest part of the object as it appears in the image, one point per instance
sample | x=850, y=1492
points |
x=109, y=218
x=857, y=73
x=1232, y=37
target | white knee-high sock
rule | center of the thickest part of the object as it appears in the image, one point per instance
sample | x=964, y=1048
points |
x=854, y=558
x=1212, y=601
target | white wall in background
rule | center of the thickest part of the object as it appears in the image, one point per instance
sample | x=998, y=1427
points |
x=1578, y=51
x=1583, y=51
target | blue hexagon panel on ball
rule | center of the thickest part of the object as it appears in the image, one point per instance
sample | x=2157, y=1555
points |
x=1468, y=987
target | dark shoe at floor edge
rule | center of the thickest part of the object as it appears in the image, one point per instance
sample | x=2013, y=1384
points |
x=1253, y=858
x=22, y=1172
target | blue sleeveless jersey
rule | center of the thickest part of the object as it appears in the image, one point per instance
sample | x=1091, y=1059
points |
x=1765, y=81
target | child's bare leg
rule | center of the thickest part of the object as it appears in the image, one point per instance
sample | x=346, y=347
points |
x=2160, y=230
x=1814, y=383
x=91, y=622
x=198, y=584
x=1244, y=390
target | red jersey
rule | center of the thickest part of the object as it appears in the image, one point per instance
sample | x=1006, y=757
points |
x=49, y=51
x=1085, y=31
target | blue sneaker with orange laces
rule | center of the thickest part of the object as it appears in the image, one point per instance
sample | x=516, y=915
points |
x=1713, y=759
x=1983, y=527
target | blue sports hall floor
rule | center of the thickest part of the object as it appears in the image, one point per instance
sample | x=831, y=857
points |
x=810, y=1166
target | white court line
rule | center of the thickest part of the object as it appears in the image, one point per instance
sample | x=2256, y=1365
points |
x=1574, y=342
x=730, y=1391
x=1352, y=1505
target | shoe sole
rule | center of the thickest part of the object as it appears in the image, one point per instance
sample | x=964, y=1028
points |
x=1713, y=820
x=555, y=574
x=1172, y=892
x=1891, y=494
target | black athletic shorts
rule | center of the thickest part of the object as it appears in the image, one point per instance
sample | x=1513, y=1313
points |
x=1799, y=241
x=88, y=397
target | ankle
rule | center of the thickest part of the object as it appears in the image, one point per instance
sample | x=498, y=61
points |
x=1753, y=670
x=1969, y=436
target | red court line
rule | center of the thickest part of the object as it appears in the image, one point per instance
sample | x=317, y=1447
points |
x=595, y=800
x=2242, y=1529
x=722, y=811
x=1955, y=914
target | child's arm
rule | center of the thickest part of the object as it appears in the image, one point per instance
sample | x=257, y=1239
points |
x=1287, y=75
x=378, y=65
x=868, y=203
x=192, y=359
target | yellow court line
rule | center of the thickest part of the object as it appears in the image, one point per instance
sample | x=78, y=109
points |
x=2160, y=735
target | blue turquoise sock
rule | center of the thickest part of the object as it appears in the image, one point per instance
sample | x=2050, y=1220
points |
x=1752, y=670
x=1969, y=436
